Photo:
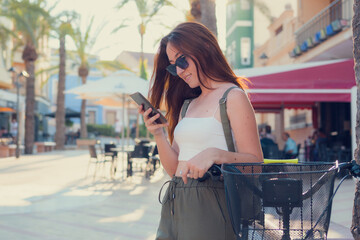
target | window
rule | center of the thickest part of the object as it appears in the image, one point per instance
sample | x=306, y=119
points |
x=245, y=46
x=110, y=118
x=231, y=9
x=299, y=118
x=91, y=117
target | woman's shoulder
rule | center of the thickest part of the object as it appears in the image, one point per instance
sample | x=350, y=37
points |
x=227, y=86
x=237, y=97
x=235, y=92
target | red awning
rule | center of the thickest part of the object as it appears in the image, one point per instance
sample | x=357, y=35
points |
x=300, y=85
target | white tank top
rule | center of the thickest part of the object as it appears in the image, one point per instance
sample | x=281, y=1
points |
x=194, y=135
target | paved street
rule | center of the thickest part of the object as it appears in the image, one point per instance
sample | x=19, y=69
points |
x=46, y=196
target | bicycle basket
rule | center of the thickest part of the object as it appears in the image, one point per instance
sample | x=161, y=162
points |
x=279, y=201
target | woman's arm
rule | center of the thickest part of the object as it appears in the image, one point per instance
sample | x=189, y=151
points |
x=168, y=154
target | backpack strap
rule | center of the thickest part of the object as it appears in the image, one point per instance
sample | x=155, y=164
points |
x=184, y=107
x=224, y=118
x=225, y=121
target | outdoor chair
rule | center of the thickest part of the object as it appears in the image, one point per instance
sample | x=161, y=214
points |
x=153, y=161
x=95, y=159
x=270, y=149
x=108, y=152
x=111, y=156
x=144, y=156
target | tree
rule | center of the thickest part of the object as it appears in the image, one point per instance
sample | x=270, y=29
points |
x=63, y=29
x=147, y=10
x=83, y=43
x=32, y=22
x=204, y=11
x=355, y=227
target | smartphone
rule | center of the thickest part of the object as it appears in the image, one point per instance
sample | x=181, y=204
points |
x=141, y=100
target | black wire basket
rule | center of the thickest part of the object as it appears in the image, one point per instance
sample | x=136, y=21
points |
x=280, y=201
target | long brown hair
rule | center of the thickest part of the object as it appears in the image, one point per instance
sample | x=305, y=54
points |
x=195, y=41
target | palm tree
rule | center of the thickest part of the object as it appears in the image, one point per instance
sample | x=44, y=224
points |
x=83, y=43
x=203, y=11
x=63, y=29
x=355, y=227
x=147, y=10
x=32, y=22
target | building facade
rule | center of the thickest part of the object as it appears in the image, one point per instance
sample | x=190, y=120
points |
x=321, y=31
x=240, y=33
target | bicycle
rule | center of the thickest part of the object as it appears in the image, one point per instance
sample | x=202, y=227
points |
x=282, y=200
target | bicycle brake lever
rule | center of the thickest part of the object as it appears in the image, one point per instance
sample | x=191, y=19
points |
x=355, y=169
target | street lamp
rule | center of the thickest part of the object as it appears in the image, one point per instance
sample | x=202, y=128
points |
x=17, y=84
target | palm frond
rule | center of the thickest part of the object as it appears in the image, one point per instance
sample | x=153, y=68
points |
x=264, y=9
x=121, y=25
x=111, y=65
x=50, y=70
x=31, y=18
x=122, y=4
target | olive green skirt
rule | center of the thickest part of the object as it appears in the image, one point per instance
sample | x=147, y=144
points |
x=194, y=211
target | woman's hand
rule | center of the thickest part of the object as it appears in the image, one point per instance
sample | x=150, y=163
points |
x=200, y=164
x=153, y=127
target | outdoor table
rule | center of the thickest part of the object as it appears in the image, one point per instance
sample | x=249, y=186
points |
x=125, y=150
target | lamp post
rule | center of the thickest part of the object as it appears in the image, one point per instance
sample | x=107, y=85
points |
x=17, y=84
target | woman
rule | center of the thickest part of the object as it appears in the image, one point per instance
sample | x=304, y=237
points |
x=190, y=65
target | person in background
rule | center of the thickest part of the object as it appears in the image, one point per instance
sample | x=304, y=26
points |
x=77, y=134
x=118, y=129
x=320, y=142
x=14, y=129
x=133, y=130
x=190, y=68
x=269, y=147
x=290, y=148
x=261, y=132
x=268, y=133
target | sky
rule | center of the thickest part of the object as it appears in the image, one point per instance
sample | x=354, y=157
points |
x=106, y=18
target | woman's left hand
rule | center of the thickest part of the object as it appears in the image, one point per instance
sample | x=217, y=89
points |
x=198, y=165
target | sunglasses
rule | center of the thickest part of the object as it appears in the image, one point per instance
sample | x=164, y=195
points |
x=180, y=62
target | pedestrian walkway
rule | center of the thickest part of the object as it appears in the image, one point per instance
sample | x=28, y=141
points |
x=46, y=196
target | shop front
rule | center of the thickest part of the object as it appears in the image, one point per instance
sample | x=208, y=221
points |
x=326, y=88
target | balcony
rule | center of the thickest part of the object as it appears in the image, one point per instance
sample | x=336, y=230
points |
x=326, y=24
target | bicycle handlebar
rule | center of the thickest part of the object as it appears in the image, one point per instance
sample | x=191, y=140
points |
x=352, y=166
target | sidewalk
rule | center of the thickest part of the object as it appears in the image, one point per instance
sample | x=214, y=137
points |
x=46, y=196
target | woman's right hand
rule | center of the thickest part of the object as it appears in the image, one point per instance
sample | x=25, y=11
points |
x=153, y=127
